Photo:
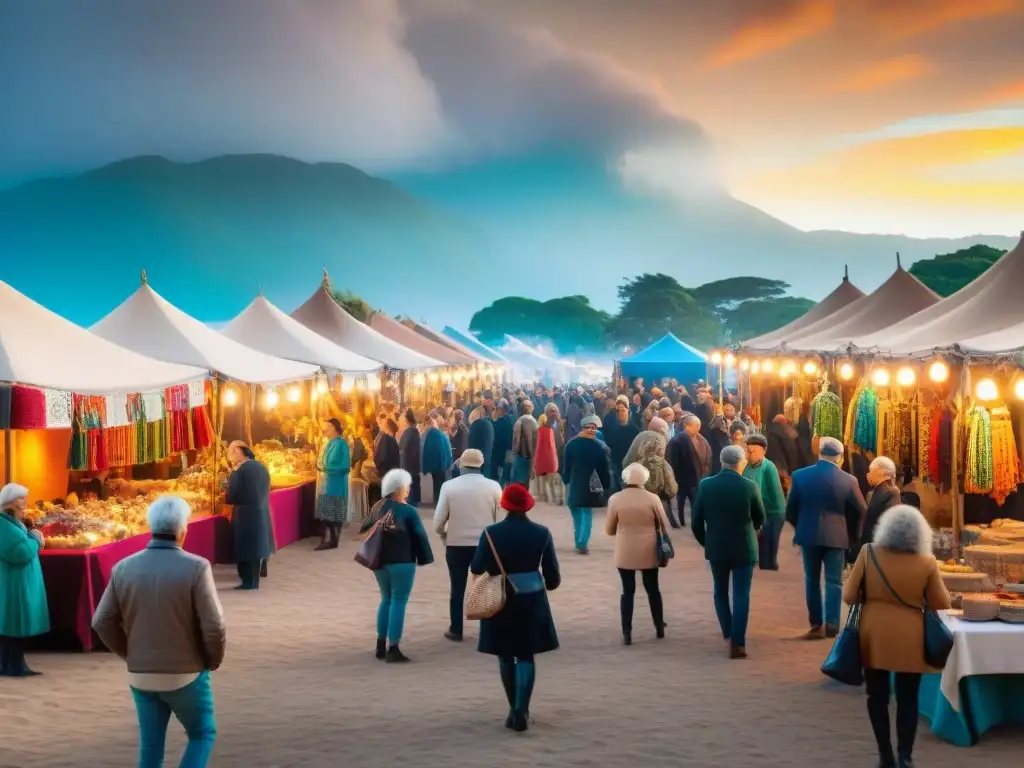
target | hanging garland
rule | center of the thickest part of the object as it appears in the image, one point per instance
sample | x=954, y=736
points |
x=827, y=415
x=865, y=432
x=851, y=415
x=924, y=436
x=978, y=476
x=1005, y=462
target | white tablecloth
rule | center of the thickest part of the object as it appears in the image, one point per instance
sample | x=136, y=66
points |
x=981, y=648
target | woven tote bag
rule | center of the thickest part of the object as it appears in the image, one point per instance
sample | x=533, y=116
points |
x=485, y=595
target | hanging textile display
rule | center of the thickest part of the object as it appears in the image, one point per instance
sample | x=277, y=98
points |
x=202, y=429
x=78, y=456
x=197, y=394
x=827, y=415
x=851, y=416
x=899, y=440
x=116, y=407
x=120, y=445
x=924, y=436
x=153, y=405
x=865, y=431
x=940, y=447
x=978, y=468
x=1005, y=462
x=176, y=398
x=28, y=408
x=58, y=408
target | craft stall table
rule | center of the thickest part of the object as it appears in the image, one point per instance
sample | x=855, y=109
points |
x=982, y=685
x=76, y=578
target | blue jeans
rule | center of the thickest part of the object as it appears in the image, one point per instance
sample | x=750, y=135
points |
x=395, y=582
x=582, y=523
x=833, y=560
x=521, y=471
x=768, y=544
x=193, y=706
x=733, y=620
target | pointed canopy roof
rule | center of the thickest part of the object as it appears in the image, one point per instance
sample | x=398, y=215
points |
x=987, y=306
x=846, y=293
x=470, y=341
x=42, y=349
x=263, y=326
x=322, y=314
x=407, y=337
x=429, y=333
x=899, y=297
x=148, y=324
x=668, y=349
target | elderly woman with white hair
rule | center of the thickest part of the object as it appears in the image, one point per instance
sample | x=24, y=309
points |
x=161, y=614
x=404, y=546
x=890, y=579
x=23, y=608
x=884, y=496
x=635, y=518
x=826, y=508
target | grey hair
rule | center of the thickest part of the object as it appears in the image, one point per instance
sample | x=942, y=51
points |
x=732, y=455
x=636, y=474
x=168, y=515
x=837, y=445
x=11, y=493
x=884, y=464
x=904, y=529
x=688, y=418
x=395, y=480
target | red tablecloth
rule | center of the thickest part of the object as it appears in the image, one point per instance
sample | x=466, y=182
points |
x=75, y=578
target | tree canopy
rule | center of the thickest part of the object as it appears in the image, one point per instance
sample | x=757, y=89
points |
x=569, y=322
x=947, y=273
x=354, y=305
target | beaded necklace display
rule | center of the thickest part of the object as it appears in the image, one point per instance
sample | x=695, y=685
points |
x=978, y=474
x=827, y=415
x=924, y=433
x=865, y=431
x=1005, y=462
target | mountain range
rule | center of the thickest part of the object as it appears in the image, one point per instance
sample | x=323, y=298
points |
x=434, y=245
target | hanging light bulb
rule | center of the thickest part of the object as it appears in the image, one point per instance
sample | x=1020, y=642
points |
x=230, y=397
x=1018, y=389
x=987, y=390
x=447, y=376
x=906, y=376
x=271, y=398
x=716, y=358
x=755, y=367
x=811, y=368
x=373, y=383
x=322, y=386
x=938, y=372
x=346, y=384
x=767, y=366
x=880, y=378
x=846, y=371
x=744, y=364
x=419, y=380
x=434, y=377
x=294, y=394
x=459, y=375
x=730, y=360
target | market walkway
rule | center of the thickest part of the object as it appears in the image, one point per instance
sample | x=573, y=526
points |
x=300, y=686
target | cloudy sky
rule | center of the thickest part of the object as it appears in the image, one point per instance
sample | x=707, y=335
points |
x=868, y=115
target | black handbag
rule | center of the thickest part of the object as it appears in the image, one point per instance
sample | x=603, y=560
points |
x=663, y=549
x=938, y=640
x=843, y=663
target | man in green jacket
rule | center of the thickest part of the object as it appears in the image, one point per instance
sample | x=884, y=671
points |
x=764, y=473
x=727, y=514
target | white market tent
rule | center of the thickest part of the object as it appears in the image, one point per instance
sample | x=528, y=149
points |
x=42, y=349
x=322, y=315
x=534, y=362
x=148, y=324
x=985, y=314
x=845, y=294
x=264, y=327
x=899, y=297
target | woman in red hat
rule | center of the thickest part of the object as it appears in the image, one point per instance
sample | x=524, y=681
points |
x=525, y=552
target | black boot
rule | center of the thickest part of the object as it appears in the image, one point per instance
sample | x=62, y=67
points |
x=657, y=614
x=395, y=656
x=335, y=536
x=878, y=714
x=626, y=615
x=263, y=569
x=325, y=539
x=507, y=668
x=382, y=648
x=16, y=665
x=5, y=659
x=525, y=675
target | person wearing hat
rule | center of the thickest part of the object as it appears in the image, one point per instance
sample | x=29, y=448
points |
x=524, y=627
x=248, y=492
x=467, y=504
x=585, y=472
x=762, y=471
x=23, y=608
x=827, y=509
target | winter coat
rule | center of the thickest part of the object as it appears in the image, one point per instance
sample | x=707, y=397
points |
x=883, y=497
x=825, y=506
x=768, y=482
x=633, y=517
x=481, y=437
x=585, y=457
x=726, y=516
x=460, y=440
x=784, y=446
x=545, y=460
x=437, y=451
x=333, y=469
x=387, y=455
x=502, y=440
x=249, y=494
x=24, y=611
x=690, y=459
x=524, y=436
x=409, y=448
x=619, y=437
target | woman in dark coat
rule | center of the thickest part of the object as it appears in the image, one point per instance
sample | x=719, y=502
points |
x=481, y=437
x=784, y=449
x=249, y=494
x=884, y=495
x=524, y=626
x=458, y=433
x=585, y=472
x=386, y=456
x=409, y=446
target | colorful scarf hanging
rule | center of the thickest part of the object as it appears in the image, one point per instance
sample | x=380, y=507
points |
x=28, y=408
x=78, y=455
x=136, y=409
x=978, y=469
x=153, y=404
x=119, y=445
x=176, y=398
x=1005, y=462
x=98, y=460
x=117, y=411
x=851, y=416
x=202, y=429
x=58, y=408
x=865, y=432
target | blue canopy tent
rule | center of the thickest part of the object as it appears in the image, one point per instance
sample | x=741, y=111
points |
x=667, y=358
x=470, y=342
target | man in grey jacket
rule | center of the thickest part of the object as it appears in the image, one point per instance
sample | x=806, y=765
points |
x=467, y=504
x=161, y=614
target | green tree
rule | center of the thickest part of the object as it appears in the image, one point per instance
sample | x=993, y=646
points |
x=721, y=294
x=354, y=305
x=569, y=323
x=655, y=304
x=947, y=273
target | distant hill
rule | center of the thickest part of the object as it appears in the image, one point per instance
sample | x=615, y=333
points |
x=435, y=246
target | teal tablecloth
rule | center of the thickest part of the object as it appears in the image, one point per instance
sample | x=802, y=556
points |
x=986, y=701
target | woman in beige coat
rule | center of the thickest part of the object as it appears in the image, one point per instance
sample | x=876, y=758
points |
x=891, y=634
x=634, y=518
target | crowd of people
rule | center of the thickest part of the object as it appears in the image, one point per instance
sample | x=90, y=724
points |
x=649, y=458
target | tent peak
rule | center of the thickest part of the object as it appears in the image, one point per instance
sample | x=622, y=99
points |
x=326, y=281
x=846, y=273
x=143, y=278
x=898, y=264
x=259, y=289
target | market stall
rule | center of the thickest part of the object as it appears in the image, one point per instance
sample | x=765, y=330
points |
x=668, y=358
x=408, y=338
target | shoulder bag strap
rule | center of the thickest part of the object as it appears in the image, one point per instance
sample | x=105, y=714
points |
x=900, y=600
x=494, y=552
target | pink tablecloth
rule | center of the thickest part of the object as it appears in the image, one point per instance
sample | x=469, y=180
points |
x=75, y=579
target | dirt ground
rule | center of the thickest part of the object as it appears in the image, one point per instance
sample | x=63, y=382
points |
x=300, y=686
